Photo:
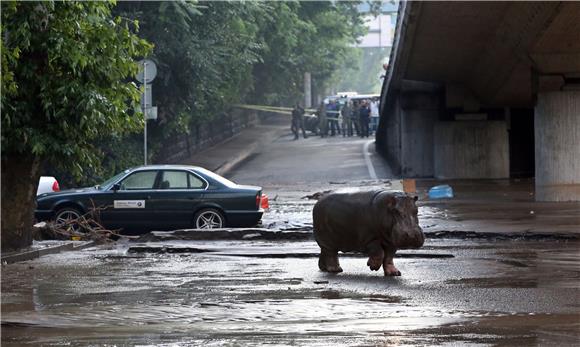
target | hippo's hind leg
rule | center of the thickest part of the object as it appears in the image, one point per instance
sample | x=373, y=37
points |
x=328, y=261
x=388, y=265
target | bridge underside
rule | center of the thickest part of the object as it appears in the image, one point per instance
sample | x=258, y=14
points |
x=486, y=90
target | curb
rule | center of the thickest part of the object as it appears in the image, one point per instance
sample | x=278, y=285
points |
x=37, y=253
x=226, y=167
x=251, y=149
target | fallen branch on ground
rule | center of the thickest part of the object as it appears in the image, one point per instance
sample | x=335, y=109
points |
x=86, y=228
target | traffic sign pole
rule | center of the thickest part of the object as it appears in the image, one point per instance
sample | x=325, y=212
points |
x=147, y=73
x=145, y=112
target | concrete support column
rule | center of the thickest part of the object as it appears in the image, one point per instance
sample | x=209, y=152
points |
x=420, y=111
x=471, y=149
x=557, y=134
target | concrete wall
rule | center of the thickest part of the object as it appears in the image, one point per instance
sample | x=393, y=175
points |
x=419, y=114
x=389, y=135
x=471, y=149
x=557, y=133
x=205, y=135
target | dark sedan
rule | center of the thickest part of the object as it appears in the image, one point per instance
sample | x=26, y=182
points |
x=159, y=197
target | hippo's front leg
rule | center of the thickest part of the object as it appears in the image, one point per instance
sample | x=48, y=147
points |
x=388, y=266
x=328, y=261
x=376, y=254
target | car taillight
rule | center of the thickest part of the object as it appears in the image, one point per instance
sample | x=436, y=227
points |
x=265, y=203
x=258, y=200
x=55, y=186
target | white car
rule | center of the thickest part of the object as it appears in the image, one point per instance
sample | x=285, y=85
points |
x=47, y=184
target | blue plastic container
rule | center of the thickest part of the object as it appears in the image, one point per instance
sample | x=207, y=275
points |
x=441, y=192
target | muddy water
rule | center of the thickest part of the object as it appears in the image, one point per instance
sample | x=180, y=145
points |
x=490, y=293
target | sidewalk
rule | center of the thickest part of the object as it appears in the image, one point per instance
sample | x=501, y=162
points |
x=40, y=248
x=224, y=156
x=505, y=206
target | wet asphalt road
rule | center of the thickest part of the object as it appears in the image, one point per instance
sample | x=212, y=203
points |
x=489, y=293
x=453, y=292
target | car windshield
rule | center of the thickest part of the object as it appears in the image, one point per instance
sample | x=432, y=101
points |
x=217, y=177
x=111, y=180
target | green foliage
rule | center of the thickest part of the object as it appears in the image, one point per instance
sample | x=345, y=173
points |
x=64, y=79
x=204, y=52
x=309, y=36
x=212, y=54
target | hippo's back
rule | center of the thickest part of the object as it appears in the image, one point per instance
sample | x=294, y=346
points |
x=344, y=221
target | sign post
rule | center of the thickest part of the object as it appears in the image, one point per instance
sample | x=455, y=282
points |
x=147, y=73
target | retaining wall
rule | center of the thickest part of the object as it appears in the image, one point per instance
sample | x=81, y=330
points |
x=205, y=135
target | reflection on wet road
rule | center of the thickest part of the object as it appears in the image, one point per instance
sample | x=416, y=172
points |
x=500, y=292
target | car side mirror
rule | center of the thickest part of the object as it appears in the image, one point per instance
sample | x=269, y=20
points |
x=116, y=187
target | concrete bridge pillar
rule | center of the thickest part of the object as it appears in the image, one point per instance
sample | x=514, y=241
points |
x=557, y=133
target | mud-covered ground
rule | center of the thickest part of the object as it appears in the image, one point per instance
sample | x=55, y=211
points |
x=452, y=292
x=497, y=269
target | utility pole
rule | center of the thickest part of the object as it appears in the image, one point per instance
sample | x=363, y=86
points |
x=307, y=90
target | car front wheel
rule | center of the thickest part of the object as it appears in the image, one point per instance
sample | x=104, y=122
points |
x=209, y=218
x=64, y=219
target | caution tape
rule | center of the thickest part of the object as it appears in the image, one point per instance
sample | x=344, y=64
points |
x=274, y=109
x=283, y=110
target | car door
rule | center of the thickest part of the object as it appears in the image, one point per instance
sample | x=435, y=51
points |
x=180, y=193
x=130, y=206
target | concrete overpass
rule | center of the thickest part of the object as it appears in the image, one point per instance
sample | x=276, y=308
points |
x=485, y=90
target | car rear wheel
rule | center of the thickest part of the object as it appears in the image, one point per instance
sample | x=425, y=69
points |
x=64, y=218
x=209, y=218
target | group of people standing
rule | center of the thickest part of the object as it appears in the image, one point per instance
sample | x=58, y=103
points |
x=352, y=118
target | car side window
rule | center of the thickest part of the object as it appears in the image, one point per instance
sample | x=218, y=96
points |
x=195, y=182
x=139, y=181
x=174, y=180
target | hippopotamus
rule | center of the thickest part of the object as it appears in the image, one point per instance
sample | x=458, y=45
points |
x=377, y=223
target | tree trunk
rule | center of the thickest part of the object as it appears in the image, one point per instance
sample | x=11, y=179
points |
x=20, y=174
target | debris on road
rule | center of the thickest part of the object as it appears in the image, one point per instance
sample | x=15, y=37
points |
x=317, y=195
x=85, y=228
x=441, y=192
x=225, y=234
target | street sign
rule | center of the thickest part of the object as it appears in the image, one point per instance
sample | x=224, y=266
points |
x=151, y=113
x=146, y=75
x=148, y=68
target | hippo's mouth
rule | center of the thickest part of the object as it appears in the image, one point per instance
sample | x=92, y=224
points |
x=407, y=240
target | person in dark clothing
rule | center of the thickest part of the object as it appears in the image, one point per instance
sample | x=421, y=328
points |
x=345, y=112
x=364, y=117
x=332, y=115
x=322, y=121
x=298, y=121
x=355, y=116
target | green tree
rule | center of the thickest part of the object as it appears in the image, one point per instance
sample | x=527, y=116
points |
x=204, y=53
x=65, y=70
